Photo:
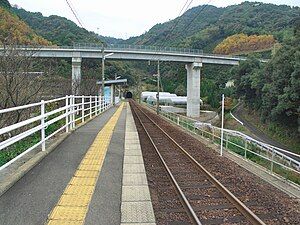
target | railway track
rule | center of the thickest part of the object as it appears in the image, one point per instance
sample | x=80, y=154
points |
x=204, y=199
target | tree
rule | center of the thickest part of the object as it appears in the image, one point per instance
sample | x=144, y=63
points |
x=15, y=31
x=247, y=78
x=240, y=43
x=18, y=85
x=273, y=88
x=180, y=90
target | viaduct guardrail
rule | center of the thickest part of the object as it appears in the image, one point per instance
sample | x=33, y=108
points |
x=130, y=52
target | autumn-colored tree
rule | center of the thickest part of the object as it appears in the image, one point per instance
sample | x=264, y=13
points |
x=16, y=32
x=240, y=43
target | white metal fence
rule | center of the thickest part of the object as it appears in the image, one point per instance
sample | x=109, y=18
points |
x=65, y=113
x=276, y=160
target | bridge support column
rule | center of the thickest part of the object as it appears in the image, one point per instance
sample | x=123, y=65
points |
x=193, y=89
x=76, y=75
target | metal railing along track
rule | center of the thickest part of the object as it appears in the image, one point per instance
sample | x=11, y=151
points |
x=242, y=208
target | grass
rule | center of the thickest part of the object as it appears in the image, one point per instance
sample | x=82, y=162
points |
x=277, y=132
x=17, y=148
x=278, y=169
x=289, y=175
x=24, y=144
x=232, y=124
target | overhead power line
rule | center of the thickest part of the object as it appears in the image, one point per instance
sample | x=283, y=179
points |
x=182, y=11
x=75, y=14
x=74, y=8
x=197, y=15
x=186, y=28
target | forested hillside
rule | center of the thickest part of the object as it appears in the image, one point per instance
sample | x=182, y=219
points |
x=205, y=26
x=5, y=4
x=15, y=31
x=273, y=89
x=59, y=30
x=249, y=26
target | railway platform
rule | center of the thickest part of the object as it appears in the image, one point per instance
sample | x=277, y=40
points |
x=87, y=179
x=129, y=166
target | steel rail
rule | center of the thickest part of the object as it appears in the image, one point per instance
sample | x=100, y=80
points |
x=254, y=219
x=183, y=199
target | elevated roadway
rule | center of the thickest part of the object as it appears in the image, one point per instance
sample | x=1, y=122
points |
x=192, y=58
x=130, y=52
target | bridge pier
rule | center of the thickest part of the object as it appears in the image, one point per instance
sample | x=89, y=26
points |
x=193, y=89
x=76, y=75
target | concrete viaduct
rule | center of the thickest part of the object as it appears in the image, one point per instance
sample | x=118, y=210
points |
x=194, y=60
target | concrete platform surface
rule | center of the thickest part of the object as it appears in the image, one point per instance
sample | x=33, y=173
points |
x=33, y=197
x=136, y=205
x=95, y=176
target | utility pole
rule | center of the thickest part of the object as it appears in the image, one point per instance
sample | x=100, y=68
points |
x=103, y=79
x=157, y=95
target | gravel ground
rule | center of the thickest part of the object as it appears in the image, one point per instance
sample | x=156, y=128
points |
x=270, y=204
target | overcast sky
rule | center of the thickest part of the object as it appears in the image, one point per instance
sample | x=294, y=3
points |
x=123, y=18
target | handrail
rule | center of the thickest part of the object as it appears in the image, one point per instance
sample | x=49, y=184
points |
x=240, y=134
x=85, y=106
x=232, y=133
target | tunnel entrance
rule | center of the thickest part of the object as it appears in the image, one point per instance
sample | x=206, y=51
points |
x=128, y=94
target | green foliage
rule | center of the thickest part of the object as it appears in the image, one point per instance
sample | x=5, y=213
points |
x=273, y=88
x=15, y=31
x=17, y=148
x=58, y=30
x=213, y=24
x=211, y=91
x=5, y=4
x=180, y=90
x=21, y=146
x=210, y=28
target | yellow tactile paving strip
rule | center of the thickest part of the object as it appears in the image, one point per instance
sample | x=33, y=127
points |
x=73, y=205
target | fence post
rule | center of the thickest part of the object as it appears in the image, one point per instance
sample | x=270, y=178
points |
x=222, y=125
x=246, y=146
x=96, y=105
x=226, y=145
x=67, y=111
x=43, y=125
x=213, y=134
x=272, y=161
x=73, y=112
x=82, y=109
x=101, y=103
x=178, y=120
x=90, y=106
x=99, y=99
